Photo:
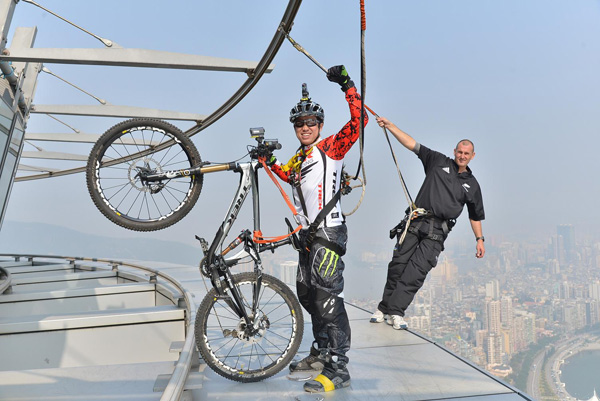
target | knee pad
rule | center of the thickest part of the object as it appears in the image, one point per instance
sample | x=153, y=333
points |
x=304, y=297
x=328, y=306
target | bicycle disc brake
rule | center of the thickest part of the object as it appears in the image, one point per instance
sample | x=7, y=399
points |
x=249, y=334
x=142, y=168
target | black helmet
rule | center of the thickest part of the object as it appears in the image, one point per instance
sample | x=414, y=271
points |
x=307, y=107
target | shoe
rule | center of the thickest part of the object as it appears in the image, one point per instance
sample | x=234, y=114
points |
x=379, y=317
x=334, y=376
x=398, y=322
x=314, y=362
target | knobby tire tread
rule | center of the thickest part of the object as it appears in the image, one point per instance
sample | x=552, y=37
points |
x=106, y=141
x=204, y=311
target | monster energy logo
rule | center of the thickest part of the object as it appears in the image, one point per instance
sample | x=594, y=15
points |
x=333, y=259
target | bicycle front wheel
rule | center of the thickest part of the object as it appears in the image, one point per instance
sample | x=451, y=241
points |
x=115, y=168
x=245, y=354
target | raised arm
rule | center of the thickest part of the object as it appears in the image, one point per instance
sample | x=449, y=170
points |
x=406, y=140
x=336, y=146
x=476, y=226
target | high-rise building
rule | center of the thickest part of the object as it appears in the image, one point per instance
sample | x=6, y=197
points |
x=288, y=272
x=566, y=241
x=591, y=312
x=506, y=311
x=494, y=349
x=594, y=290
x=507, y=341
x=492, y=289
x=493, y=322
x=564, y=290
x=553, y=266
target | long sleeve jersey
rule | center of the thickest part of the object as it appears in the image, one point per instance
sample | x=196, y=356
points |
x=320, y=171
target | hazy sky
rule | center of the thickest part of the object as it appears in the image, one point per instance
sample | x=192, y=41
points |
x=520, y=78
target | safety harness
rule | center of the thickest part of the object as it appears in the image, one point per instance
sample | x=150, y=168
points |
x=421, y=215
x=293, y=167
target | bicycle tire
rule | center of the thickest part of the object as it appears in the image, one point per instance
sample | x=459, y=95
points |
x=118, y=192
x=270, y=351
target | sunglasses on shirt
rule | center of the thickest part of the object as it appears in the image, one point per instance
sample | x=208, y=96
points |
x=310, y=122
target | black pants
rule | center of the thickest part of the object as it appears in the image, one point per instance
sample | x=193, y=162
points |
x=320, y=283
x=410, y=264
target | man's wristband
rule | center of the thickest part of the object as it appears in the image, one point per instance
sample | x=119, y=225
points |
x=480, y=238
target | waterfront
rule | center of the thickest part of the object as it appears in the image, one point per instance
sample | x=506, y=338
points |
x=581, y=374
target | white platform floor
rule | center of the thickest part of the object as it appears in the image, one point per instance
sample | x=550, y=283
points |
x=385, y=364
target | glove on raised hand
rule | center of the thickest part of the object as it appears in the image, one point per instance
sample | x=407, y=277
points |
x=339, y=75
x=271, y=160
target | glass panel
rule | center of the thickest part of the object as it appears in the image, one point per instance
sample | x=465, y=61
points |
x=17, y=137
x=10, y=159
x=5, y=117
x=4, y=127
x=6, y=177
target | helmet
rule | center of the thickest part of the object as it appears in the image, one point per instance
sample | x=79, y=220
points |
x=307, y=107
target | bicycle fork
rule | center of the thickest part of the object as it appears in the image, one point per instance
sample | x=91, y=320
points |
x=221, y=274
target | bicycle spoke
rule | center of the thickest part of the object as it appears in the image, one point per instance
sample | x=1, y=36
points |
x=275, y=321
x=259, y=350
x=274, y=333
x=127, y=193
x=266, y=353
x=218, y=349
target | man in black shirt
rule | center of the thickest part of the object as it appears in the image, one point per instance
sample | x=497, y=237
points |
x=448, y=186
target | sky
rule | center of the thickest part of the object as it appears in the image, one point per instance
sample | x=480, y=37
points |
x=517, y=77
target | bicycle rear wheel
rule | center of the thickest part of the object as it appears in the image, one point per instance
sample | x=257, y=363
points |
x=222, y=337
x=116, y=161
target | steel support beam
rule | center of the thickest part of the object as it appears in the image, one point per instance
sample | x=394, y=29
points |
x=77, y=138
x=62, y=137
x=24, y=38
x=7, y=9
x=53, y=156
x=131, y=58
x=113, y=111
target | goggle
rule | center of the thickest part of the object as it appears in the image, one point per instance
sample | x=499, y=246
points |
x=310, y=122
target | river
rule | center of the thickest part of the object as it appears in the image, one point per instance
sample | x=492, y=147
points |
x=581, y=374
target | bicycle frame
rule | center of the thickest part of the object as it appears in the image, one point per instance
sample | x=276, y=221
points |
x=214, y=263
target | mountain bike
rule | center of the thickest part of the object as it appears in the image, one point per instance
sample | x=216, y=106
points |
x=146, y=174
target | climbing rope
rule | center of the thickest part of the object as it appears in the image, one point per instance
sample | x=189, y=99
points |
x=363, y=91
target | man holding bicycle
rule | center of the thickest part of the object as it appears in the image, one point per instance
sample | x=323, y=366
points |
x=315, y=173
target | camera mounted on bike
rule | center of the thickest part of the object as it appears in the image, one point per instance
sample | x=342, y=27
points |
x=265, y=146
x=257, y=133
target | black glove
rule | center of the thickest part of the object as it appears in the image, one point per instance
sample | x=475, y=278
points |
x=339, y=74
x=271, y=159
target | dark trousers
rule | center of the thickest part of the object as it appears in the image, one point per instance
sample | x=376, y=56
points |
x=411, y=262
x=319, y=284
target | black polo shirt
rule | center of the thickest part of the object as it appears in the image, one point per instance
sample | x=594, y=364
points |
x=444, y=190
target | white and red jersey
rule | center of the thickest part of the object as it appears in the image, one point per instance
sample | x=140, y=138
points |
x=320, y=173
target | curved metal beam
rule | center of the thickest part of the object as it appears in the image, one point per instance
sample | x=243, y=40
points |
x=284, y=28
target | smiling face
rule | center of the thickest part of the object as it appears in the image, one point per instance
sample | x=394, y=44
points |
x=307, y=129
x=463, y=154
